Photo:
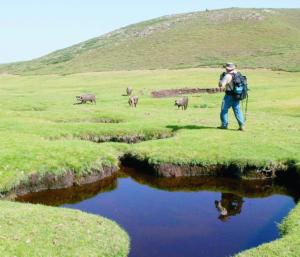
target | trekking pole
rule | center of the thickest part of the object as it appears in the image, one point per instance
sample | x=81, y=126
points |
x=243, y=110
x=246, y=108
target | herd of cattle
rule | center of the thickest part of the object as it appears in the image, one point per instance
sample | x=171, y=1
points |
x=132, y=101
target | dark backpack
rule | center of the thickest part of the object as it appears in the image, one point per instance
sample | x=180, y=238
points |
x=240, y=85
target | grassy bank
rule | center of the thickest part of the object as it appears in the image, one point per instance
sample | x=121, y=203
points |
x=43, y=132
x=36, y=230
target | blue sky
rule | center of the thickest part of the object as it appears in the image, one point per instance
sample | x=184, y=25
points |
x=33, y=28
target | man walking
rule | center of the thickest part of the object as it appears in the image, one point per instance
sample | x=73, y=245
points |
x=226, y=80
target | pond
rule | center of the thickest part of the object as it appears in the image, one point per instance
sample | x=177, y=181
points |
x=195, y=216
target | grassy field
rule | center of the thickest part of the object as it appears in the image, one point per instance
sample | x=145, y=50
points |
x=259, y=38
x=42, y=131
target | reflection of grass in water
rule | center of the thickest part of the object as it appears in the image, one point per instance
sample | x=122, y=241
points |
x=70, y=195
x=243, y=188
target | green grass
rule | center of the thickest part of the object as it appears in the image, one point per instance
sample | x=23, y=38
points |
x=36, y=230
x=253, y=38
x=42, y=131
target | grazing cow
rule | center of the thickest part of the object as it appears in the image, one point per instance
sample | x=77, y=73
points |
x=86, y=98
x=129, y=91
x=133, y=100
x=182, y=102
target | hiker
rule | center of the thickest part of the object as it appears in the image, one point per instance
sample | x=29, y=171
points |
x=229, y=205
x=233, y=95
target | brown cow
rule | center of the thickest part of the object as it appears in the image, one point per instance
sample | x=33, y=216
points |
x=129, y=91
x=182, y=102
x=133, y=100
x=86, y=98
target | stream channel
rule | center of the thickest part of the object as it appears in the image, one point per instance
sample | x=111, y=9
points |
x=182, y=217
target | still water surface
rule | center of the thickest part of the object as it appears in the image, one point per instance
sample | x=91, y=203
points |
x=205, y=217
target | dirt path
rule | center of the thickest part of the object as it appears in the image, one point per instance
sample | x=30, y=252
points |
x=182, y=91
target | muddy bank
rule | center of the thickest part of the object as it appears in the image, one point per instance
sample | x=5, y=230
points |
x=244, y=187
x=222, y=170
x=239, y=187
x=90, y=120
x=49, y=181
x=182, y=91
x=73, y=194
x=128, y=139
x=40, y=182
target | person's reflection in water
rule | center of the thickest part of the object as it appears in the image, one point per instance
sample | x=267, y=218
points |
x=230, y=205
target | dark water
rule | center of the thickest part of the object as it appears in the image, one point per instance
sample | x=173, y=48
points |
x=207, y=217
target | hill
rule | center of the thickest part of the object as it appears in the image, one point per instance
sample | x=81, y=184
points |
x=253, y=38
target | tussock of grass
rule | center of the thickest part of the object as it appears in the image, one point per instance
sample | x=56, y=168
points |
x=36, y=230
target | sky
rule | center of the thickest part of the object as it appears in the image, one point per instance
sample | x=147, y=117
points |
x=33, y=28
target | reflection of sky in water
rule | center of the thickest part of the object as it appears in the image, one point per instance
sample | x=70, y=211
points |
x=162, y=223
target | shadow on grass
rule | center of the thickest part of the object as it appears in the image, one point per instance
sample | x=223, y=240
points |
x=176, y=127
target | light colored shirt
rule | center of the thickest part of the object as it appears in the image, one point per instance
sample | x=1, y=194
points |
x=226, y=81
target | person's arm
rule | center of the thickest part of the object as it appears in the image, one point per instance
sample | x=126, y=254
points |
x=225, y=80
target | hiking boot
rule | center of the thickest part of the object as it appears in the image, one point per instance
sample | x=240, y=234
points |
x=222, y=127
x=241, y=128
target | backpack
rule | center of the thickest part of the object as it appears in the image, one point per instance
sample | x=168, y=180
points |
x=240, y=85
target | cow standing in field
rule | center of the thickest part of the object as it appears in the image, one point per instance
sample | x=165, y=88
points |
x=133, y=100
x=129, y=91
x=182, y=102
x=86, y=98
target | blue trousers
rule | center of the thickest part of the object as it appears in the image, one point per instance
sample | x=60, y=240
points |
x=228, y=102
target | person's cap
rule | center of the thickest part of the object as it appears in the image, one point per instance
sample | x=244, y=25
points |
x=229, y=66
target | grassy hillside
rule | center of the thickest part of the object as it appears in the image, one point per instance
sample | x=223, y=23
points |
x=254, y=38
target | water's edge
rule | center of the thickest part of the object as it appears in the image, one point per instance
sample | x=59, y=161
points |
x=235, y=189
x=47, y=181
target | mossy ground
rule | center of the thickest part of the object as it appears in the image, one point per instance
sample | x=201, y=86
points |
x=42, y=131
